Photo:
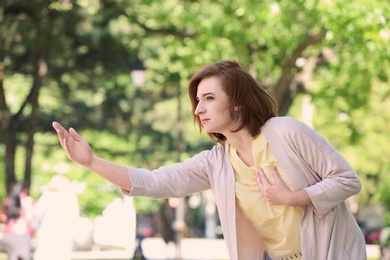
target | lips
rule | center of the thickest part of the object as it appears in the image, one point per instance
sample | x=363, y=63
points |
x=204, y=120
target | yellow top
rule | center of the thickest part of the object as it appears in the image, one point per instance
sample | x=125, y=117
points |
x=278, y=225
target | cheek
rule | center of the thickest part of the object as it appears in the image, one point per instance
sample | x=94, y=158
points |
x=227, y=112
x=226, y=116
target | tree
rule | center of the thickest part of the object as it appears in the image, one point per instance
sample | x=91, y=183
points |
x=32, y=35
x=14, y=20
x=285, y=44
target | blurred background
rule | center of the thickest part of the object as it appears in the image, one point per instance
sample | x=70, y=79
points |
x=117, y=72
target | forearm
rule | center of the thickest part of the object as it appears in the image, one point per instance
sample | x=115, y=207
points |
x=298, y=198
x=114, y=173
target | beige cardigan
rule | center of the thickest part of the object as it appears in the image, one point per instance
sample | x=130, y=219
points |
x=328, y=230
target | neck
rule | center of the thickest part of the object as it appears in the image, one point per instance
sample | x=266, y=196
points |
x=241, y=141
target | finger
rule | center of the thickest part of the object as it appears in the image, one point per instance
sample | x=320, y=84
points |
x=65, y=145
x=55, y=124
x=61, y=131
x=69, y=150
x=258, y=179
x=58, y=127
x=276, y=175
x=74, y=134
x=263, y=178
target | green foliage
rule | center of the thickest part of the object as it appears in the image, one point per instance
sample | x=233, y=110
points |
x=386, y=220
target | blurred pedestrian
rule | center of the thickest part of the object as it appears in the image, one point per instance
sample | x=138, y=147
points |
x=57, y=209
x=279, y=186
x=17, y=214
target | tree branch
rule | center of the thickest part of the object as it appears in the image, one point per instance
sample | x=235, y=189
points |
x=286, y=76
x=304, y=77
x=164, y=31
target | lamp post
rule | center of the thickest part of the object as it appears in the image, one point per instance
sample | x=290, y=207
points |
x=180, y=209
x=137, y=73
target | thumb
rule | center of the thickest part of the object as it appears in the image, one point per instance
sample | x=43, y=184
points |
x=74, y=134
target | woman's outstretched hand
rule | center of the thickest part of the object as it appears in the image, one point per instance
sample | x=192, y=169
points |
x=79, y=151
x=76, y=148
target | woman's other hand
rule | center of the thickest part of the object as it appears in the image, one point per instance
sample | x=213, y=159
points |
x=279, y=193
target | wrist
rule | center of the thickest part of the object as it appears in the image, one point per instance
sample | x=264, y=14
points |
x=298, y=198
x=291, y=199
x=93, y=162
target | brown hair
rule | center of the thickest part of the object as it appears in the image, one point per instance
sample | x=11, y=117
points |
x=255, y=105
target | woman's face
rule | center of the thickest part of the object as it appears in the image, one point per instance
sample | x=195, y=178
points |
x=212, y=108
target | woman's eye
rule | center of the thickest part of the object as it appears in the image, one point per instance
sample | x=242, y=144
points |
x=209, y=98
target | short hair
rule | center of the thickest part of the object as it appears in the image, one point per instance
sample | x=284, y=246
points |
x=13, y=203
x=255, y=105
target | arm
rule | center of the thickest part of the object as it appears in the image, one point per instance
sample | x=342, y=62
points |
x=79, y=151
x=333, y=180
x=316, y=166
x=173, y=181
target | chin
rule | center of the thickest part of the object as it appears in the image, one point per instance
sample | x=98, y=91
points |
x=208, y=131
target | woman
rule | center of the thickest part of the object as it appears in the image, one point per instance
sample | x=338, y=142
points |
x=17, y=214
x=280, y=188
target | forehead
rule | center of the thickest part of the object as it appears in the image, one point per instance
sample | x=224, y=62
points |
x=209, y=85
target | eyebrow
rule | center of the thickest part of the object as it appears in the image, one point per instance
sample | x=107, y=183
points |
x=205, y=94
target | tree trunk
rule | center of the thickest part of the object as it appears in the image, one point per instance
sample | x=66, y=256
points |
x=288, y=86
x=8, y=132
x=10, y=124
x=39, y=73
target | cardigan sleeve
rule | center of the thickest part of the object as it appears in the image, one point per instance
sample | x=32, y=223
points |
x=176, y=180
x=330, y=178
x=338, y=180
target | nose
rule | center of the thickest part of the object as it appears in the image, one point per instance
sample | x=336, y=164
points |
x=199, y=109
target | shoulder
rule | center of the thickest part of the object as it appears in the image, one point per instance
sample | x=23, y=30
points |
x=283, y=124
x=294, y=132
x=214, y=154
x=283, y=120
x=207, y=159
x=289, y=128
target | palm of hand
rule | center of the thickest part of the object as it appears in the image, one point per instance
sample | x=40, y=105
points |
x=76, y=148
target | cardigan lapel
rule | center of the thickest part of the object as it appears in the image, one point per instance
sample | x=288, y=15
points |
x=227, y=202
